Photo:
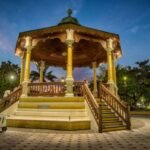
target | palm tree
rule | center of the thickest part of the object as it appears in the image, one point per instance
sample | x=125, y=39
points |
x=35, y=75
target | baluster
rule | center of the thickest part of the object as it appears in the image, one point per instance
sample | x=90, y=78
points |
x=100, y=116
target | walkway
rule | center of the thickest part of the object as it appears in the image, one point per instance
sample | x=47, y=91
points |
x=33, y=139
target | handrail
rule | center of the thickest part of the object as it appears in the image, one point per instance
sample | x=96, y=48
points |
x=119, y=107
x=93, y=105
x=10, y=99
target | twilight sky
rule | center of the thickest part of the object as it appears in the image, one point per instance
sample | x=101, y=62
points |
x=128, y=18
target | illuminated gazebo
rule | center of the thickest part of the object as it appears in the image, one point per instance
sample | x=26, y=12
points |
x=69, y=105
x=68, y=45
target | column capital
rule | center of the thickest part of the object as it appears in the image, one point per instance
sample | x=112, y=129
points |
x=28, y=42
x=94, y=63
x=42, y=64
x=70, y=35
x=69, y=43
x=109, y=44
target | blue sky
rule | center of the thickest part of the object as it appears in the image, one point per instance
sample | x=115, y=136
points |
x=129, y=18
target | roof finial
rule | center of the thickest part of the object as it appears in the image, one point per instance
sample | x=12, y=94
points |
x=69, y=11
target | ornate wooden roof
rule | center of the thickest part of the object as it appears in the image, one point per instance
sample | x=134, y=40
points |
x=49, y=44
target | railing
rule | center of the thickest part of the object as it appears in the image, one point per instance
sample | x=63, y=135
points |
x=46, y=89
x=53, y=89
x=118, y=106
x=93, y=105
x=78, y=88
x=10, y=99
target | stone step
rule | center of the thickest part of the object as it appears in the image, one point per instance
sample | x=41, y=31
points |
x=110, y=119
x=52, y=99
x=52, y=110
x=52, y=105
x=114, y=129
x=53, y=123
x=108, y=115
x=50, y=113
x=112, y=123
x=107, y=112
x=109, y=125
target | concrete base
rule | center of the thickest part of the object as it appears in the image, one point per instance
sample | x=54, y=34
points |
x=60, y=113
x=25, y=89
x=113, y=87
x=49, y=124
x=94, y=126
x=95, y=93
x=69, y=88
x=69, y=95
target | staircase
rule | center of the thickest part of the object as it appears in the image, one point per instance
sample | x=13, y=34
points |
x=109, y=112
x=110, y=121
x=60, y=113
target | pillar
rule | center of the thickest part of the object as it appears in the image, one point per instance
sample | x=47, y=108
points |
x=69, y=77
x=22, y=58
x=114, y=74
x=114, y=68
x=94, y=79
x=110, y=81
x=42, y=66
x=28, y=46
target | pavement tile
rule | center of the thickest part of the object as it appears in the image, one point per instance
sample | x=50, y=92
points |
x=35, y=139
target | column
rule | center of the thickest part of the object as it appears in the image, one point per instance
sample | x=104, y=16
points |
x=94, y=79
x=69, y=78
x=114, y=68
x=114, y=73
x=28, y=46
x=42, y=66
x=22, y=58
x=110, y=81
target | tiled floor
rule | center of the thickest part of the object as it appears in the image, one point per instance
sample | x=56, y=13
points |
x=31, y=139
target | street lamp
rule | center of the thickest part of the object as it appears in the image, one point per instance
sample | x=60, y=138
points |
x=12, y=77
x=62, y=79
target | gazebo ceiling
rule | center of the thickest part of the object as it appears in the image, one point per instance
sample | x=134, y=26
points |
x=54, y=53
x=49, y=44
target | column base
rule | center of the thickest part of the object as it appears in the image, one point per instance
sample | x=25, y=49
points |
x=69, y=88
x=113, y=87
x=25, y=89
x=95, y=94
x=69, y=95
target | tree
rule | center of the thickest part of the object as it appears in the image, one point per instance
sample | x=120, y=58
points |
x=143, y=77
x=134, y=83
x=9, y=76
x=35, y=75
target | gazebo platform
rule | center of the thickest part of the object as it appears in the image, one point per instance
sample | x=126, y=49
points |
x=102, y=114
x=61, y=113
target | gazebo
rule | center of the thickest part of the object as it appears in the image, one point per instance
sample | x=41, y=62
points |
x=68, y=45
x=68, y=105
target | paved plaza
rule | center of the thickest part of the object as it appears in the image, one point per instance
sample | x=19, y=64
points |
x=32, y=139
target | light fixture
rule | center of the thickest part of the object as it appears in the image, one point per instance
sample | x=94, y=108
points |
x=64, y=54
